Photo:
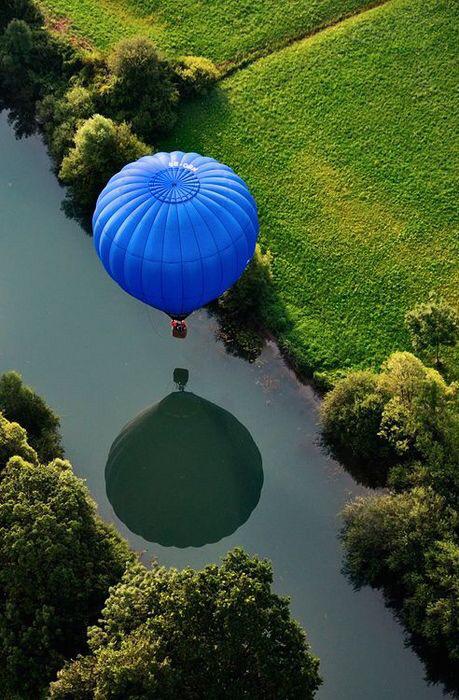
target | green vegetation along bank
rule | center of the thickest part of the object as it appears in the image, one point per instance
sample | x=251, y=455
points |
x=400, y=428
x=152, y=632
x=225, y=32
x=346, y=140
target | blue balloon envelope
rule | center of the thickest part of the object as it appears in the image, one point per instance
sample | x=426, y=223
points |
x=175, y=230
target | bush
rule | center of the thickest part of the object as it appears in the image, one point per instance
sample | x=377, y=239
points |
x=351, y=415
x=242, y=310
x=196, y=75
x=246, y=300
x=101, y=149
x=140, y=89
x=215, y=633
x=57, y=563
x=20, y=403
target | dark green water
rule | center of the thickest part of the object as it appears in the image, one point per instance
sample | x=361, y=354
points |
x=100, y=358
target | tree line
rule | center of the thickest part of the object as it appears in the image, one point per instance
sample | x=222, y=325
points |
x=399, y=429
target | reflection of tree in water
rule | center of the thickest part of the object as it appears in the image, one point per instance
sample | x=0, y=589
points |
x=185, y=472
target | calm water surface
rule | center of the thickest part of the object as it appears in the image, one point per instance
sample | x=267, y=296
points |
x=100, y=358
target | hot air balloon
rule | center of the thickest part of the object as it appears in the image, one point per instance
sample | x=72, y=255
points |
x=175, y=230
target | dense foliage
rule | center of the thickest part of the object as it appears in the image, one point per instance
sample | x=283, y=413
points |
x=32, y=63
x=408, y=544
x=26, y=10
x=101, y=148
x=196, y=75
x=352, y=166
x=20, y=403
x=372, y=422
x=242, y=309
x=57, y=563
x=432, y=325
x=215, y=633
x=141, y=88
x=13, y=441
x=401, y=428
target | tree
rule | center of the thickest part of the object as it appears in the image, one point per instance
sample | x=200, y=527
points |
x=407, y=545
x=141, y=90
x=57, y=563
x=351, y=416
x=419, y=411
x=25, y=10
x=60, y=118
x=33, y=62
x=432, y=325
x=215, y=633
x=101, y=149
x=373, y=421
x=13, y=441
x=20, y=403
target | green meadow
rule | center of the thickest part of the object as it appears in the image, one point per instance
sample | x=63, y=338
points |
x=347, y=137
x=225, y=31
x=348, y=140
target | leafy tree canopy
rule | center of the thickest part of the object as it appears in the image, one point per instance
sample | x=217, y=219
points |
x=432, y=325
x=33, y=63
x=20, y=403
x=101, y=149
x=215, y=633
x=25, y=10
x=57, y=563
x=141, y=88
x=374, y=421
x=407, y=544
x=13, y=441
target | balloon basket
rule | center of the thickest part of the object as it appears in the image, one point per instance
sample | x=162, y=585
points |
x=179, y=329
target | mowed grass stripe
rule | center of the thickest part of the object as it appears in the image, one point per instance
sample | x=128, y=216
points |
x=226, y=32
x=349, y=142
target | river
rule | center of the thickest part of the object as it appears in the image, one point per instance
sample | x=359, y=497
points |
x=100, y=357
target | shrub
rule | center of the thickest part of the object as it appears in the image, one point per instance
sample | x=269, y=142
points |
x=247, y=299
x=215, y=633
x=20, y=403
x=243, y=308
x=57, y=563
x=33, y=63
x=196, y=75
x=351, y=415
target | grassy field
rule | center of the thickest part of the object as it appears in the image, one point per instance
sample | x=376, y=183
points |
x=348, y=140
x=224, y=31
